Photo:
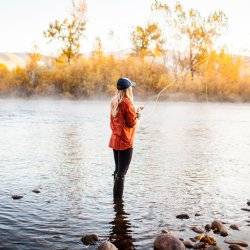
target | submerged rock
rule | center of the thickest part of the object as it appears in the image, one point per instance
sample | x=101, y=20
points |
x=234, y=227
x=182, y=216
x=188, y=243
x=246, y=209
x=208, y=239
x=36, y=191
x=237, y=242
x=107, y=246
x=198, y=230
x=213, y=248
x=197, y=214
x=168, y=241
x=208, y=227
x=89, y=239
x=235, y=247
x=16, y=197
x=193, y=239
x=218, y=227
x=199, y=245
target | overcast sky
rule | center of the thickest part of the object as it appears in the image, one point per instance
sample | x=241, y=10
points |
x=22, y=22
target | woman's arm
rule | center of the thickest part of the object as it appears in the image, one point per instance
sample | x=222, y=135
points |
x=129, y=113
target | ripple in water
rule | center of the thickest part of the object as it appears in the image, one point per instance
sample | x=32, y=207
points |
x=188, y=157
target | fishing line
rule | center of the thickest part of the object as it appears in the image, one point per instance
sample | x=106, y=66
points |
x=155, y=102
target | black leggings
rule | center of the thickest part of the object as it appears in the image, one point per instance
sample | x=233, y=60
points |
x=122, y=161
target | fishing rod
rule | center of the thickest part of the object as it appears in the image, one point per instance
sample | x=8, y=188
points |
x=156, y=100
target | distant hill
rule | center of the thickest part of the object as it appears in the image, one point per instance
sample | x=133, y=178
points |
x=12, y=60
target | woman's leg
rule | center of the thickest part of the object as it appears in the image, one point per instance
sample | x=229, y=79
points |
x=124, y=159
x=116, y=161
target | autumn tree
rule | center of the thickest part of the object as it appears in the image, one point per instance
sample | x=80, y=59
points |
x=69, y=31
x=147, y=41
x=198, y=32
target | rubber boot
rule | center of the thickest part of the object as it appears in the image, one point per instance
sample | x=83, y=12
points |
x=118, y=188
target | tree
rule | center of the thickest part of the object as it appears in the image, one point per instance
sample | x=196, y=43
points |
x=69, y=31
x=147, y=41
x=199, y=32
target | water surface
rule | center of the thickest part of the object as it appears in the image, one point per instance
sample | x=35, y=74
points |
x=188, y=157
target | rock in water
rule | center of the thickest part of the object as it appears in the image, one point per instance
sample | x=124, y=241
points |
x=234, y=227
x=235, y=247
x=107, y=246
x=207, y=227
x=168, y=241
x=246, y=209
x=237, y=242
x=188, y=243
x=36, y=191
x=197, y=214
x=193, y=239
x=89, y=239
x=213, y=248
x=197, y=230
x=16, y=197
x=199, y=245
x=218, y=227
x=182, y=216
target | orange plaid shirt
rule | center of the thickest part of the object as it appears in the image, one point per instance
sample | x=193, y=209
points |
x=123, y=126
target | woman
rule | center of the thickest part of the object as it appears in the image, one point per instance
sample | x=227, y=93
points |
x=123, y=120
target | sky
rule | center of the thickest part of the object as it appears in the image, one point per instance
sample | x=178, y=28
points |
x=22, y=23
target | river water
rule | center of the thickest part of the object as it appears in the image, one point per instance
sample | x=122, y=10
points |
x=188, y=157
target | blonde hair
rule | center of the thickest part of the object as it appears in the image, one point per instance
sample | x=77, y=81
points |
x=118, y=97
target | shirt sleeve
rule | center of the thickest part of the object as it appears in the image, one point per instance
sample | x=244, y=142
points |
x=129, y=113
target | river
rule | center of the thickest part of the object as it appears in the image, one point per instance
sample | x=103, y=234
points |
x=188, y=157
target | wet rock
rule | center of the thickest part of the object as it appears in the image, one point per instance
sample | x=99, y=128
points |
x=235, y=247
x=234, y=227
x=16, y=197
x=188, y=243
x=182, y=216
x=164, y=231
x=213, y=248
x=208, y=239
x=197, y=214
x=198, y=230
x=246, y=209
x=89, y=239
x=207, y=227
x=168, y=242
x=218, y=227
x=193, y=239
x=107, y=246
x=199, y=245
x=236, y=242
x=36, y=191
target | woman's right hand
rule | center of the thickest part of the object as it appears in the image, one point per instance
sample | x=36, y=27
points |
x=138, y=111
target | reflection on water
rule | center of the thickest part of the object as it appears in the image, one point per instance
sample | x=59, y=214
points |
x=121, y=229
x=189, y=157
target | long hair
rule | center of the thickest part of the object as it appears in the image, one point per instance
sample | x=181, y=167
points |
x=118, y=97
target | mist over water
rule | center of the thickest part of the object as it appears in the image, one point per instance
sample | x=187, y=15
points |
x=188, y=157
